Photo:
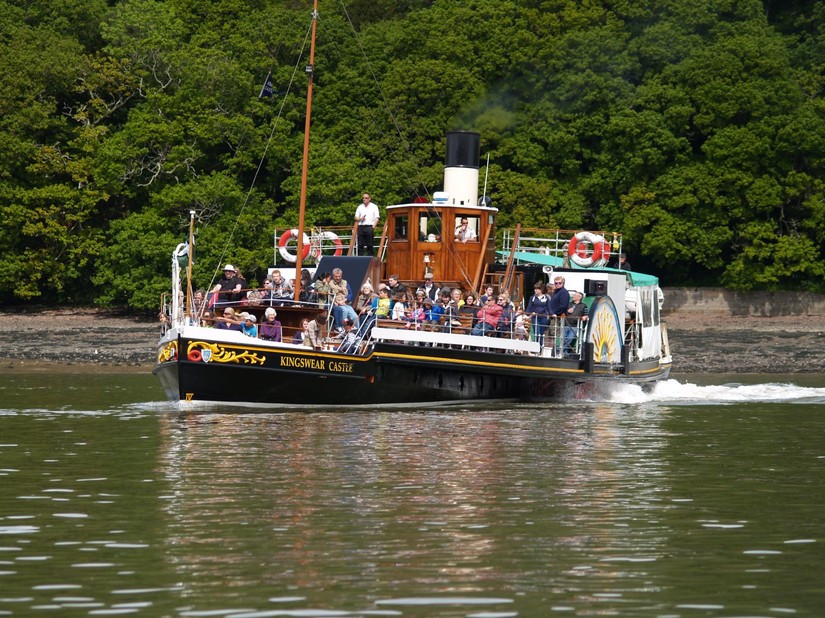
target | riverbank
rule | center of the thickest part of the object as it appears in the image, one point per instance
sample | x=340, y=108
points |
x=705, y=340
x=71, y=337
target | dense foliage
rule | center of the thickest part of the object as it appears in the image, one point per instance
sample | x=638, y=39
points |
x=696, y=127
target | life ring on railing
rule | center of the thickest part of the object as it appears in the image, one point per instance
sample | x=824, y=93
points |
x=284, y=241
x=578, y=252
x=333, y=238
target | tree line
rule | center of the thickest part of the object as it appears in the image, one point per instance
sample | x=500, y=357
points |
x=695, y=127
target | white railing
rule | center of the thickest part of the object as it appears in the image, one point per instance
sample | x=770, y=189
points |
x=551, y=242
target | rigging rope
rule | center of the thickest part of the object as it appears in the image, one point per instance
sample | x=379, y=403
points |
x=401, y=137
x=263, y=156
x=464, y=273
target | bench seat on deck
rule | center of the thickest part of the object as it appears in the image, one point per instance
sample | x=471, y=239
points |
x=380, y=333
x=394, y=324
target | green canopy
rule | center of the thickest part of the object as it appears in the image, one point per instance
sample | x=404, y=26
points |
x=636, y=279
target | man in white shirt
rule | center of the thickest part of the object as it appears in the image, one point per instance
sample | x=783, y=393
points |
x=464, y=232
x=367, y=216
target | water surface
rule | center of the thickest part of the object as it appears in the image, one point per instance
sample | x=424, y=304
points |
x=702, y=498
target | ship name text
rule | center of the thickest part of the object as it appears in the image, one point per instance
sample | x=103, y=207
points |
x=318, y=364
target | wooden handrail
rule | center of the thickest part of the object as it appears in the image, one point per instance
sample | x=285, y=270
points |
x=353, y=238
x=382, y=244
x=508, y=272
x=482, y=263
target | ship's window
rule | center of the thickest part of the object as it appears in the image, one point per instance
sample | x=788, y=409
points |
x=400, y=228
x=471, y=233
x=647, y=298
x=429, y=226
x=656, y=316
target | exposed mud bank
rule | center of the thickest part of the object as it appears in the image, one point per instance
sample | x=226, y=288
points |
x=712, y=341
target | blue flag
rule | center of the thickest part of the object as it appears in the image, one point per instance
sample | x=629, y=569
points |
x=267, y=91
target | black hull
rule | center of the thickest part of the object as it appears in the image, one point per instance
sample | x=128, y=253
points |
x=391, y=374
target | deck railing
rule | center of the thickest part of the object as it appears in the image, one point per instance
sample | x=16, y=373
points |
x=551, y=241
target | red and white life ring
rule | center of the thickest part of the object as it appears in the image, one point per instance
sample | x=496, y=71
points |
x=286, y=237
x=578, y=253
x=333, y=238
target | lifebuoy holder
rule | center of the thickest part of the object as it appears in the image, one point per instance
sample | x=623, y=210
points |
x=332, y=237
x=579, y=254
x=284, y=241
x=314, y=246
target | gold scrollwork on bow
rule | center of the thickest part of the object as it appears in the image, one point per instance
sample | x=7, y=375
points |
x=168, y=352
x=219, y=354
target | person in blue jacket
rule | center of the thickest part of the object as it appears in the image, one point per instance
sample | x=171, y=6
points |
x=560, y=299
x=538, y=311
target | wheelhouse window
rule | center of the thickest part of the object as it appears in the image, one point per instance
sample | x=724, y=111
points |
x=400, y=227
x=429, y=226
x=466, y=228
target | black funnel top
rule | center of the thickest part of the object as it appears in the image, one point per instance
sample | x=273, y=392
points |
x=463, y=149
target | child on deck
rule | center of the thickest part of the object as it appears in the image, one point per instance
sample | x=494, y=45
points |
x=248, y=327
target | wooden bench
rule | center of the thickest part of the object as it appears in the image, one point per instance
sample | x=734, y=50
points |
x=453, y=339
x=385, y=323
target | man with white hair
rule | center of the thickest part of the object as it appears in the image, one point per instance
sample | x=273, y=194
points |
x=341, y=294
x=576, y=314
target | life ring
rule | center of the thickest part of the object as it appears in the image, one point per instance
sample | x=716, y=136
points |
x=578, y=252
x=195, y=355
x=333, y=238
x=284, y=241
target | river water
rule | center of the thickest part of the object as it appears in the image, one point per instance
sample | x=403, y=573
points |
x=702, y=498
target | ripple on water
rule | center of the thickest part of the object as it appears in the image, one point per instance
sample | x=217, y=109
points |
x=19, y=529
x=212, y=612
x=443, y=601
x=304, y=613
x=147, y=590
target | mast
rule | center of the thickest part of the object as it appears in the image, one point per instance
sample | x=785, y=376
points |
x=189, y=264
x=305, y=164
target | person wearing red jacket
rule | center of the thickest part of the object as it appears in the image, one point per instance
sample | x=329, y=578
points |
x=488, y=316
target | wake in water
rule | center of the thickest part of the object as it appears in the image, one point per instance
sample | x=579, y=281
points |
x=675, y=392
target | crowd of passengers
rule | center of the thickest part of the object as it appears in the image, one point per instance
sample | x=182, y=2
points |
x=353, y=315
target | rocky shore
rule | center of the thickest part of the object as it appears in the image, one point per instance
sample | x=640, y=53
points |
x=708, y=341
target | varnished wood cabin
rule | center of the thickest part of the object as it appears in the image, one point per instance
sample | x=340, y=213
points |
x=421, y=237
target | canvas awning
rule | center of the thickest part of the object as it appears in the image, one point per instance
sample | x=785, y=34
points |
x=636, y=278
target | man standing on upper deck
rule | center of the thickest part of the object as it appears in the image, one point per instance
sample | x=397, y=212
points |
x=367, y=216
